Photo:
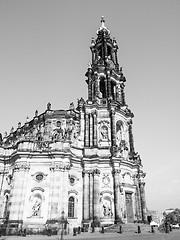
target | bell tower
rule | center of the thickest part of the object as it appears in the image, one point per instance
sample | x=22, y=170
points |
x=112, y=170
x=105, y=79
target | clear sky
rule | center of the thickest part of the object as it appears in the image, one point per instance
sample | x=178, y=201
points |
x=44, y=53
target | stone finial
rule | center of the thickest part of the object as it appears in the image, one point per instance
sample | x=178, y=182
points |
x=49, y=106
x=27, y=119
x=71, y=106
x=19, y=124
x=5, y=134
x=89, y=66
x=103, y=28
x=114, y=41
x=12, y=129
x=81, y=102
x=102, y=21
x=92, y=42
x=36, y=113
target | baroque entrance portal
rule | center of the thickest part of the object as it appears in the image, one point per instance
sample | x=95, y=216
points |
x=129, y=208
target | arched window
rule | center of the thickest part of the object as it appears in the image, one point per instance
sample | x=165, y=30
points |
x=71, y=207
x=103, y=87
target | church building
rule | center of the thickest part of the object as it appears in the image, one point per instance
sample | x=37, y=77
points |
x=78, y=164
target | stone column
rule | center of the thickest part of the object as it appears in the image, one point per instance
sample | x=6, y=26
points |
x=56, y=191
x=82, y=121
x=91, y=130
x=96, y=211
x=106, y=88
x=95, y=129
x=90, y=90
x=85, y=195
x=96, y=93
x=17, y=194
x=64, y=191
x=138, y=199
x=143, y=201
x=122, y=95
x=118, y=96
x=17, y=199
x=117, y=199
x=90, y=194
x=86, y=143
x=51, y=192
x=25, y=180
x=131, y=140
x=113, y=131
x=109, y=94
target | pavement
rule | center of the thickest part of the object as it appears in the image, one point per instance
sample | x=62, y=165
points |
x=174, y=235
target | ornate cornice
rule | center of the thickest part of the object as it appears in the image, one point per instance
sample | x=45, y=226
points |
x=116, y=172
x=55, y=166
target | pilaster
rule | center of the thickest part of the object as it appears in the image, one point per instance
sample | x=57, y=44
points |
x=86, y=195
x=91, y=129
x=113, y=128
x=95, y=129
x=96, y=217
x=117, y=207
x=108, y=85
x=86, y=137
x=131, y=140
x=143, y=201
x=18, y=192
x=90, y=194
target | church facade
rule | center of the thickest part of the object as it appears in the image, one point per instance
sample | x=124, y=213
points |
x=81, y=161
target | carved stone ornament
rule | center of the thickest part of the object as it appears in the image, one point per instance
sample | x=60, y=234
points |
x=116, y=171
x=39, y=176
x=106, y=180
x=104, y=131
x=21, y=166
x=61, y=166
x=96, y=172
x=73, y=179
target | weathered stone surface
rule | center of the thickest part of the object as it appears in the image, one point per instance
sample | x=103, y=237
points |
x=79, y=161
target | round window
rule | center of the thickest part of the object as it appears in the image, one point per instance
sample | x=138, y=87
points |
x=72, y=180
x=39, y=177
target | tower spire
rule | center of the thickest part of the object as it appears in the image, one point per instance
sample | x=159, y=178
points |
x=102, y=21
x=105, y=78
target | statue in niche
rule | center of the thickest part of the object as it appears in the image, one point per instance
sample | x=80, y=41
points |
x=107, y=211
x=49, y=106
x=36, y=206
x=120, y=142
x=58, y=133
x=76, y=132
x=69, y=130
x=104, y=133
x=119, y=135
x=39, y=134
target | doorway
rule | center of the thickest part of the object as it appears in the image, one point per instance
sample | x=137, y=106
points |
x=129, y=208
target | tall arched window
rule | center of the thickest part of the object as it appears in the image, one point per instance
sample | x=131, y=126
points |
x=71, y=207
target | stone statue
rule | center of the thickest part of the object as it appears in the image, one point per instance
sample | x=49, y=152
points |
x=36, y=207
x=49, y=106
x=104, y=133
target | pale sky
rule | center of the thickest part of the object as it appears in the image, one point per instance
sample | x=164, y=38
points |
x=44, y=54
